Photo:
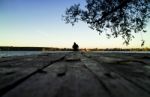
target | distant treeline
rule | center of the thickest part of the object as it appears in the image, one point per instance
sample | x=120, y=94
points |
x=120, y=49
x=11, y=48
x=6, y=48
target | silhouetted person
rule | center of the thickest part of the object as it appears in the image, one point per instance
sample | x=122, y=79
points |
x=75, y=47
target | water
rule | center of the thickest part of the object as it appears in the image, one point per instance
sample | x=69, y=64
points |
x=145, y=52
x=22, y=53
x=18, y=53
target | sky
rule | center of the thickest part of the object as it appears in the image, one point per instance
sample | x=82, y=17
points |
x=39, y=23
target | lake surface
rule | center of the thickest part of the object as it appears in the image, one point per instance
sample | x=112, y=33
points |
x=18, y=53
x=22, y=53
x=121, y=51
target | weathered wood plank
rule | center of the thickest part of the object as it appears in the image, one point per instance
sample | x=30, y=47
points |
x=116, y=84
x=14, y=72
x=8, y=81
x=77, y=82
x=134, y=69
x=38, y=85
x=32, y=61
x=133, y=72
x=77, y=76
x=80, y=82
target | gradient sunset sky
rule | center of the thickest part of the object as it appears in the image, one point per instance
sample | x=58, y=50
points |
x=39, y=23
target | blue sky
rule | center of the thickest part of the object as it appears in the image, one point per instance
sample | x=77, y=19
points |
x=39, y=23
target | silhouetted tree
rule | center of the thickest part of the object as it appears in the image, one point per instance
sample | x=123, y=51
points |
x=120, y=17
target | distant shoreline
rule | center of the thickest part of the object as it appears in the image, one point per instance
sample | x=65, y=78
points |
x=11, y=48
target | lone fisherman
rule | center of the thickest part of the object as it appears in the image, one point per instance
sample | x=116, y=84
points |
x=75, y=47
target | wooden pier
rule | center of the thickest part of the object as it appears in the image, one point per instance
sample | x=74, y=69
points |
x=76, y=74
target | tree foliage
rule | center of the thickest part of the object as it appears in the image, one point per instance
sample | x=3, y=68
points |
x=120, y=17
